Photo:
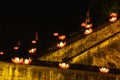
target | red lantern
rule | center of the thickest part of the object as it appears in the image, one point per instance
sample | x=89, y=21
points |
x=64, y=65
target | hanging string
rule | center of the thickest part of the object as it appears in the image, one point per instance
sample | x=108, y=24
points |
x=36, y=36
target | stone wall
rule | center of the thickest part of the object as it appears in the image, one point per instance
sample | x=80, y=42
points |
x=79, y=46
x=9, y=71
x=106, y=54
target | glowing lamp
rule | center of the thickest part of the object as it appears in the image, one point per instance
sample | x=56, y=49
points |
x=16, y=48
x=83, y=24
x=88, y=26
x=61, y=44
x=64, y=65
x=62, y=37
x=88, y=31
x=17, y=60
x=113, y=14
x=27, y=61
x=34, y=41
x=104, y=70
x=32, y=50
x=1, y=52
x=55, y=34
x=113, y=19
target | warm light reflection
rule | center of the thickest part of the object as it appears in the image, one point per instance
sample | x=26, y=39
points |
x=17, y=60
x=62, y=37
x=88, y=31
x=64, y=65
x=61, y=44
x=32, y=50
x=104, y=70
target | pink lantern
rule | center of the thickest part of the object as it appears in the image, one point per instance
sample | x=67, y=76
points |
x=64, y=65
x=113, y=19
x=88, y=31
x=104, y=70
x=61, y=44
x=27, y=61
x=1, y=52
x=83, y=24
x=17, y=60
x=62, y=37
x=113, y=14
x=32, y=50
x=88, y=26
x=34, y=41
x=55, y=34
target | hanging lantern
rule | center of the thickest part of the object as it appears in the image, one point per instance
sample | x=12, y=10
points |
x=27, y=61
x=88, y=31
x=17, y=60
x=83, y=24
x=104, y=70
x=36, y=38
x=62, y=37
x=113, y=14
x=113, y=19
x=88, y=25
x=16, y=48
x=55, y=34
x=32, y=50
x=1, y=52
x=64, y=65
x=34, y=41
x=61, y=44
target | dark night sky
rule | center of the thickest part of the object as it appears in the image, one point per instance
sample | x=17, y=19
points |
x=22, y=22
